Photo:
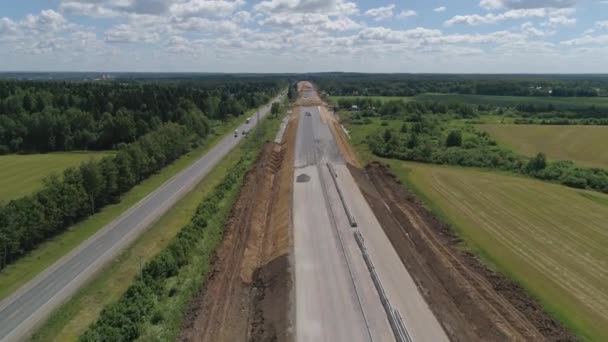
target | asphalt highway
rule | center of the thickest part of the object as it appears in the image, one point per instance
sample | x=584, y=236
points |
x=335, y=296
x=31, y=304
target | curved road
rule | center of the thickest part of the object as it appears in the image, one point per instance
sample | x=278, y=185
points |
x=33, y=302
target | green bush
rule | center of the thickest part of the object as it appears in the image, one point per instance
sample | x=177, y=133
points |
x=122, y=320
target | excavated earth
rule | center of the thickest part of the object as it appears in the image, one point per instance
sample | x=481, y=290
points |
x=472, y=302
x=247, y=293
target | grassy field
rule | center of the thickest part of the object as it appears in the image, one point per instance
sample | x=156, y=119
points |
x=585, y=145
x=21, y=175
x=73, y=318
x=549, y=238
x=377, y=98
x=564, y=103
x=26, y=268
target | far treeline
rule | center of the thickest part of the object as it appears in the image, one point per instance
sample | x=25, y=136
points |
x=66, y=116
x=353, y=84
x=174, y=119
x=427, y=132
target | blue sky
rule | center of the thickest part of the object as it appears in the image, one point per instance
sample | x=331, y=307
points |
x=456, y=36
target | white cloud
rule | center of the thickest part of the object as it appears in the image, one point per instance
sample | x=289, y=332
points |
x=530, y=30
x=602, y=25
x=407, y=14
x=380, y=13
x=440, y=9
x=206, y=8
x=586, y=40
x=312, y=21
x=557, y=16
x=560, y=20
x=525, y=4
x=125, y=33
x=328, y=7
x=242, y=17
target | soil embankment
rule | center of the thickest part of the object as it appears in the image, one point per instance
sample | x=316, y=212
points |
x=472, y=302
x=246, y=296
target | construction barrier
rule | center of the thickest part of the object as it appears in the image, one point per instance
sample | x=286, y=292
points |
x=334, y=176
x=394, y=318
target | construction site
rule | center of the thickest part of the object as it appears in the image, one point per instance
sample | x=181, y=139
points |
x=318, y=248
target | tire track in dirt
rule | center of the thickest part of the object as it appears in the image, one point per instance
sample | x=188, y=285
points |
x=246, y=296
x=472, y=302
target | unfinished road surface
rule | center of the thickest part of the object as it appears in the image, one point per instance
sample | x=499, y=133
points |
x=28, y=306
x=335, y=297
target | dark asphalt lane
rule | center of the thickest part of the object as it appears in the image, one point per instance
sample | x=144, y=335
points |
x=31, y=304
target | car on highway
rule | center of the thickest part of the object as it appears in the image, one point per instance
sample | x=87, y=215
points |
x=245, y=132
x=308, y=114
x=236, y=133
x=248, y=120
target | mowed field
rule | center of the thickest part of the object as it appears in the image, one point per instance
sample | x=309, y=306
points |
x=585, y=145
x=23, y=174
x=549, y=238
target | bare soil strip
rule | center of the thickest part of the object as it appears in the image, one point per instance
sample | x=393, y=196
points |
x=246, y=296
x=471, y=301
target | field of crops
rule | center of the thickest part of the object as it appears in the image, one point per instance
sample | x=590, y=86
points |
x=549, y=238
x=585, y=145
x=563, y=103
x=23, y=174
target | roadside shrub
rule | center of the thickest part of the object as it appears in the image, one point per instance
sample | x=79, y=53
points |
x=574, y=182
x=122, y=320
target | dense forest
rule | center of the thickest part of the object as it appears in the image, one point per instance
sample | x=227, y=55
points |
x=65, y=116
x=154, y=125
x=349, y=84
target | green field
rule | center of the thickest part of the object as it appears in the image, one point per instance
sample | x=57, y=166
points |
x=585, y=145
x=21, y=175
x=549, y=238
x=335, y=99
x=564, y=103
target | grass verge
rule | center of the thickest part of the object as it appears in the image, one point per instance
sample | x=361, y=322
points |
x=25, y=269
x=73, y=318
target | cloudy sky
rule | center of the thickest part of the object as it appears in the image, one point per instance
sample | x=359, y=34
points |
x=487, y=36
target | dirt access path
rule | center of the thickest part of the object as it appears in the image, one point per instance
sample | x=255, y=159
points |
x=472, y=302
x=247, y=294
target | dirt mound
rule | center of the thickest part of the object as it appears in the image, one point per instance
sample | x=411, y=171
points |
x=471, y=301
x=272, y=283
x=246, y=293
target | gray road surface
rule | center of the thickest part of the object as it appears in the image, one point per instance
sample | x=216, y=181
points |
x=32, y=303
x=335, y=297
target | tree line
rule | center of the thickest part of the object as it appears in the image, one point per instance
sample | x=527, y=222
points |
x=432, y=139
x=121, y=321
x=66, y=116
x=368, y=107
x=351, y=84
x=81, y=191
